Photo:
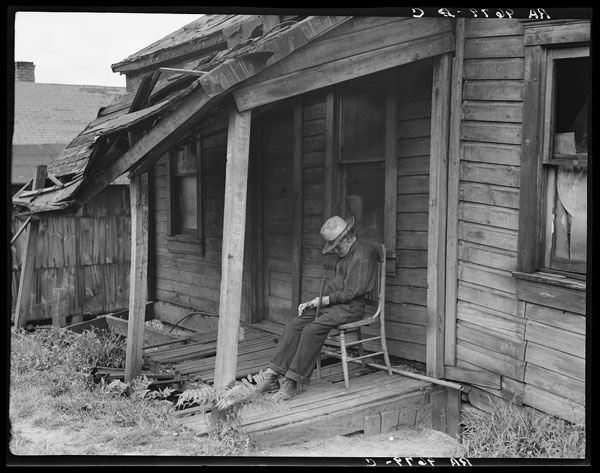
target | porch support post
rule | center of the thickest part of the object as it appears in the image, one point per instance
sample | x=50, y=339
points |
x=453, y=194
x=138, y=284
x=28, y=259
x=232, y=259
x=438, y=185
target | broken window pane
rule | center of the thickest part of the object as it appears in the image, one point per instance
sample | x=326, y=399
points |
x=571, y=105
x=570, y=214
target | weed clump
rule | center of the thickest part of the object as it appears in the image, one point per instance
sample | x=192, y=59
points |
x=513, y=432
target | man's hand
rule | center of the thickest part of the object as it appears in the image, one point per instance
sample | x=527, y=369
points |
x=312, y=303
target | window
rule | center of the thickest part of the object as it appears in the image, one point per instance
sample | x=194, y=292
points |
x=553, y=201
x=364, y=154
x=565, y=160
x=185, y=187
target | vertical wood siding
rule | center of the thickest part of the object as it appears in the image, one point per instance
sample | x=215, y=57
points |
x=87, y=254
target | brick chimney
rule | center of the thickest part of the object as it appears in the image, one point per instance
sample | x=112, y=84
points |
x=24, y=71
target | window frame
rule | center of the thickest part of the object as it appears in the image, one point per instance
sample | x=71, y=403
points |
x=174, y=230
x=537, y=143
x=388, y=158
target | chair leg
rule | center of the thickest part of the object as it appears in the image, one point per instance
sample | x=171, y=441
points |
x=361, y=350
x=344, y=358
x=386, y=355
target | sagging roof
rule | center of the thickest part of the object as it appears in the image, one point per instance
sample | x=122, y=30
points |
x=106, y=148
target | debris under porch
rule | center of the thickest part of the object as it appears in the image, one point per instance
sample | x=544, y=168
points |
x=375, y=402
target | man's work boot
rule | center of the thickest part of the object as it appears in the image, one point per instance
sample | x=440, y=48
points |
x=270, y=383
x=287, y=391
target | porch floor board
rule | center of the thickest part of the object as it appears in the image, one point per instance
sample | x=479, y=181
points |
x=326, y=408
x=375, y=402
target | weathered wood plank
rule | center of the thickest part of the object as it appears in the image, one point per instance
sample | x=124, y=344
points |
x=485, y=173
x=407, y=203
x=505, y=133
x=496, y=90
x=508, y=155
x=238, y=146
x=413, y=184
x=571, y=300
x=490, y=360
x=489, y=194
x=480, y=336
x=347, y=42
x=485, y=276
x=483, y=27
x=501, y=217
x=28, y=258
x=494, y=69
x=487, y=297
x=492, y=47
x=411, y=240
x=554, y=405
x=554, y=360
x=436, y=254
x=412, y=221
x=138, y=276
x=454, y=152
x=487, y=256
x=480, y=377
x=340, y=70
x=412, y=165
x=501, y=238
x=555, y=383
x=505, y=112
x=556, y=318
x=408, y=147
x=579, y=31
x=557, y=339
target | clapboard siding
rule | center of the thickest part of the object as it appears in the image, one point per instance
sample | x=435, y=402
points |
x=489, y=330
x=530, y=333
x=87, y=254
x=555, y=356
x=188, y=274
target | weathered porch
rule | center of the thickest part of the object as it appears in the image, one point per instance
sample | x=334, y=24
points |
x=375, y=402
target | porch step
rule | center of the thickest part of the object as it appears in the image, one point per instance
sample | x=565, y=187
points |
x=324, y=409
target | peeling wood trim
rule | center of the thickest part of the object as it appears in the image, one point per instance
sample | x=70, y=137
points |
x=191, y=72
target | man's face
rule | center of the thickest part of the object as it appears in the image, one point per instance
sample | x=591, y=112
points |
x=343, y=246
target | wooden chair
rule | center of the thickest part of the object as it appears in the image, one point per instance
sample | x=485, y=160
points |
x=337, y=344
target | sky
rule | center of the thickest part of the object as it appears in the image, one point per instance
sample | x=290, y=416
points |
x=79, y=48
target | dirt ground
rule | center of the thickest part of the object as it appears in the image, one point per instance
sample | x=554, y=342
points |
x=420, y=444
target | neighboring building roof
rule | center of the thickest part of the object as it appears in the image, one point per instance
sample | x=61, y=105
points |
x=56, y=113
x=47, y=117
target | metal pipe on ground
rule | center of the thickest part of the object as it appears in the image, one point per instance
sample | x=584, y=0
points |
x=441, y=382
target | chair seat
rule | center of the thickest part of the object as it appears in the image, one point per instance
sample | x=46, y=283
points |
x=357, y=324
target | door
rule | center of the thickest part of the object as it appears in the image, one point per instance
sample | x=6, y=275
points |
x=276, y=155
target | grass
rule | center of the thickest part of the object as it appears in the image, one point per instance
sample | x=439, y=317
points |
x=512, y=432
x=56, y=409
x=51, y=390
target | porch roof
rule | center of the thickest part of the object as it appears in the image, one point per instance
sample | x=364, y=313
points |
x=162, y=105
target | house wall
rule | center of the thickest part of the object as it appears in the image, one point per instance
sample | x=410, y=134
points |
x=87, y=254
x=187, y=275
x=526, y=342
x=406, y=314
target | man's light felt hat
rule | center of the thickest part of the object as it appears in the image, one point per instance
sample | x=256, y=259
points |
x=333, y=230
